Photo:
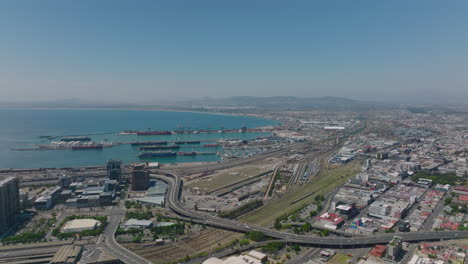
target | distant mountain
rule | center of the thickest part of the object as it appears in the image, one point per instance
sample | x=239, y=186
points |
x=280, y=102
x=67, y=103
x=203, y=104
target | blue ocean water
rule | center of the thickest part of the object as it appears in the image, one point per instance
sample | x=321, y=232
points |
x=22, y=128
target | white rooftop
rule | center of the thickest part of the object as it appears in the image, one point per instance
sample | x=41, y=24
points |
x=136, y=222
x=80, y=225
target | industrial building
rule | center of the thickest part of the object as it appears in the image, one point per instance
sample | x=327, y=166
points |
x=9, y=202
x=140, y=177
x=58, y=252
x=47, y=198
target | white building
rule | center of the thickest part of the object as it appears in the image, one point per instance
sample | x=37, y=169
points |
x=253, y=257
x=78, y=225
x=140, y=224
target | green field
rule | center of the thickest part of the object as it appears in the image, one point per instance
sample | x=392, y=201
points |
x=323, y=183
x=339, y=259
x=220, y=180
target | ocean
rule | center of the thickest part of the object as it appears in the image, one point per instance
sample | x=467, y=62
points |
x=23, y=128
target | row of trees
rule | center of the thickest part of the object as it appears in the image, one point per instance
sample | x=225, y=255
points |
x=252, y=205
x=140, y=215
x=26, y=237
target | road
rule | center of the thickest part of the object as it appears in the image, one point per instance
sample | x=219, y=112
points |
x=172, y=201
x=435, y=213
x=310, y=253
x=108, y=243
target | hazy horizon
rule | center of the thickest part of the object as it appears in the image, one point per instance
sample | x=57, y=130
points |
x=150, y=51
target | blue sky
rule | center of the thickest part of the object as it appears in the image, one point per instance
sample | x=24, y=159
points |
x=151, y=50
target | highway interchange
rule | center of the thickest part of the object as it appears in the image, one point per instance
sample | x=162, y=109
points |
x=172, y=201
x=107, y=242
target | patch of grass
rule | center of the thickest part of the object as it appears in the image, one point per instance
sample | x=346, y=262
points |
x=441, y=178
x=323, y=183
x=339, y=259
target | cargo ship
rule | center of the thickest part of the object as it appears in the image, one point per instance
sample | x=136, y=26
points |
x=193, y=153
x=211, y=145
x=159, y=147
x=186, y=142
x=68, y=139
x=150, y=133
x=149, y=143
x=84, y=147
x=157, y=154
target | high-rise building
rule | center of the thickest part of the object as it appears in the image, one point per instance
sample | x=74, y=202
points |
x=394, y=249
x=114, y=170
x=65, y=181
x=9, y=202
x=140, y=177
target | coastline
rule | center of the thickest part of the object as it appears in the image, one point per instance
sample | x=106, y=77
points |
x=143, y=110
x=20, y=160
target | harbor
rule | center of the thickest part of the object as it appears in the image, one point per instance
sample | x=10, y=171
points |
x=89, y=141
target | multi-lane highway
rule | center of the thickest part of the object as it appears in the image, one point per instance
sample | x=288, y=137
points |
x=172, y=201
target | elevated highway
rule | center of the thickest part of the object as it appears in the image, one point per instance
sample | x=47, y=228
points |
x=172, y=201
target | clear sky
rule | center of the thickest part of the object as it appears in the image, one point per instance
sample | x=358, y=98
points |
x=148, y=50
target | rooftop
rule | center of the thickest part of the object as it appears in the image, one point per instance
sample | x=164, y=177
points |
x=136, y=222
x=335, y=219
x=67, y=254
x=81, y=224
x=4, y=180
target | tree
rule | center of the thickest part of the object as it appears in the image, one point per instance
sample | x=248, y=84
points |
x=307, y=227
x=319, y=207
x=273, y=247
x=324, y=232
x=313, y=213
x=296, y=247
x=278, y=224
x=448, y=200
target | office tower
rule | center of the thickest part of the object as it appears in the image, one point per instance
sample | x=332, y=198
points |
x=140, y=177
x=394, y=249
x=65, y=181
x=114, y=171
x=9, y=202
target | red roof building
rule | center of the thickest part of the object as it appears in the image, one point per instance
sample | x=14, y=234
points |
x=378, y=251
x=331, y=219
x=461, y=190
